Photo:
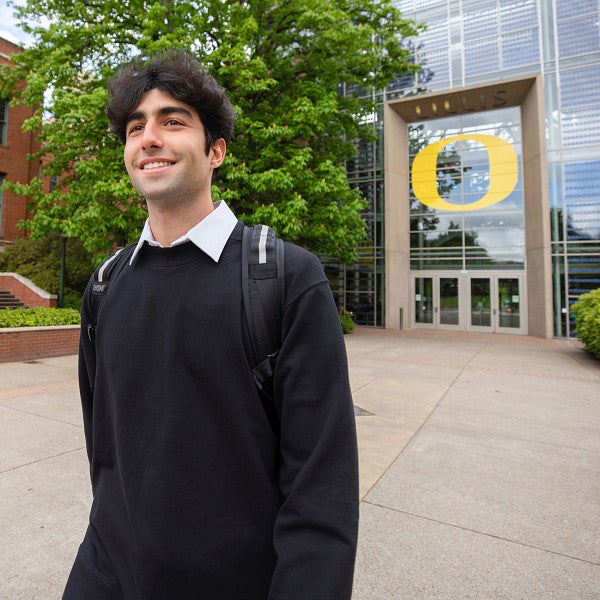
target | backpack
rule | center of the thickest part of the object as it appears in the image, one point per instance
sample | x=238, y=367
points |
x=263, y=295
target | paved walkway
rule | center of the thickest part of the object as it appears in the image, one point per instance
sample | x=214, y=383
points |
x=479, y=458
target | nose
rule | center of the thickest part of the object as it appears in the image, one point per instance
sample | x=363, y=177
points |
x=151, y=136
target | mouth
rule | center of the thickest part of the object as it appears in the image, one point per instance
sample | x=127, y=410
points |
x=156, y=165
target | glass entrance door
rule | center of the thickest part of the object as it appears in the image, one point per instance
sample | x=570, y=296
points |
x=495, y=302
x=482, y=301
x=436, y=302
x=509, y=303
x=448, y=301
x=423, y=299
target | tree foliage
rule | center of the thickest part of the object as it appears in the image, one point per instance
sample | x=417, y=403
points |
x=39, y=260
x=300, y=74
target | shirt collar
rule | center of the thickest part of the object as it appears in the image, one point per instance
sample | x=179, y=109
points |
x=210, y=234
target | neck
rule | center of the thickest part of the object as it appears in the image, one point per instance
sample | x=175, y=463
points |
x=168, y=226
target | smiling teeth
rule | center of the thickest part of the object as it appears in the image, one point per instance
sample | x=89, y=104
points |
x=155, y=165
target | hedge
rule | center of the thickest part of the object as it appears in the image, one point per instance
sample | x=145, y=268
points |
x=38, y=317
x=43, y=317
x=587, y=321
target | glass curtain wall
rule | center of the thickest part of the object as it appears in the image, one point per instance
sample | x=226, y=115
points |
x=470, y=237
x=359, y=287
x=470, y=42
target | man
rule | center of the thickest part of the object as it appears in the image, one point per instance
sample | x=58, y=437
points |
x=195, y=496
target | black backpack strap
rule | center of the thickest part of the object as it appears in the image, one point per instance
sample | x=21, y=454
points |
x=263, y=290
x=111, y=267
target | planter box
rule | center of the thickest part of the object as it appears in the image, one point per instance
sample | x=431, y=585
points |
x=18, y=344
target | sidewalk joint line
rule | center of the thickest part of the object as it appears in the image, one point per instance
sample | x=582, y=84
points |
x=34, y=414
x=364, y=385
x=491, y=535
x=33, y=462
x=419, y=429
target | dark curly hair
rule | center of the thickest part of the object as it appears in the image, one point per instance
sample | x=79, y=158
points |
x=178, y=74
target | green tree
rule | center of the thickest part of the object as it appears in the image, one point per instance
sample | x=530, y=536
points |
x=39, y=260
x=300, y=74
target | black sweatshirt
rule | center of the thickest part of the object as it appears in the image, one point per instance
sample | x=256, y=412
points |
x=194, y=495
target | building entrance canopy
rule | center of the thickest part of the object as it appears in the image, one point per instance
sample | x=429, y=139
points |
x=466, y=192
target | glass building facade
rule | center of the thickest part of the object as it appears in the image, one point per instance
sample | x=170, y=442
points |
x=462, y=242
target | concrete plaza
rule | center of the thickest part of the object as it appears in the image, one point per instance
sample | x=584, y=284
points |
x=479, y=460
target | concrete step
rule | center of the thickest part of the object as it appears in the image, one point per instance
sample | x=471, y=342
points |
x=7, y=300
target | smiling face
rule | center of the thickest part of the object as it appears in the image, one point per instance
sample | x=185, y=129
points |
x=165, y=152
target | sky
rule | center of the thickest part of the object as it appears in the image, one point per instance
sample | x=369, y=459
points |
x=8, y=26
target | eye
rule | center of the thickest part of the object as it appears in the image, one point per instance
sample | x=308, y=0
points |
x=173, y=123
x=135, y=129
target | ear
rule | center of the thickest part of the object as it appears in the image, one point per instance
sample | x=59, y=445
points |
x=217, y=153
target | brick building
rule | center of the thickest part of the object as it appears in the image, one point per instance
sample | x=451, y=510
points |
x=15, y=146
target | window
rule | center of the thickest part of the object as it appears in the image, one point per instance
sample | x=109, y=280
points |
x=3, y=121
x=2, y=175
x=464, y=238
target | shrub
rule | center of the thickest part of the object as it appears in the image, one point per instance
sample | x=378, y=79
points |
x=38, y=317
x=346, y=320
x=587, y=321
x=39, y=260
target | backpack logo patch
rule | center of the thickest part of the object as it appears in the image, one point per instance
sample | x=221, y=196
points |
x=99, y=288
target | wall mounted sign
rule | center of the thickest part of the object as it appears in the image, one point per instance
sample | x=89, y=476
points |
x=503, y=172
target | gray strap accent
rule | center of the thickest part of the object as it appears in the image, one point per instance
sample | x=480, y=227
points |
x=105, y=264
x=262, y=245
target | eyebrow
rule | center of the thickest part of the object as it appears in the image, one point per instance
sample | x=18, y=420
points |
x=161, y=112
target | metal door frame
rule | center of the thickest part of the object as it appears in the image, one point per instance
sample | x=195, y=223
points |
x=464, y=300
x=436, y=276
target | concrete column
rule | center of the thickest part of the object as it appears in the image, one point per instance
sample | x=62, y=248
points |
x=397, y=218
x=537, y=214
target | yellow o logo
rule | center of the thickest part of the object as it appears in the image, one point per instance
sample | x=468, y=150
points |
x=504, y=168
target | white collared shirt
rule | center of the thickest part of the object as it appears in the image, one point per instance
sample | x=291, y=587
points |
x=210, y=234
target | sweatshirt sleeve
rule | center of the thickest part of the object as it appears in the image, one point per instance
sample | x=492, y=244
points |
x=316, y=528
